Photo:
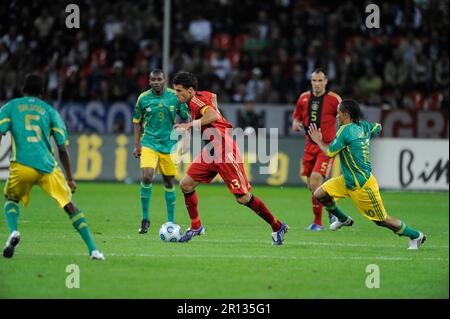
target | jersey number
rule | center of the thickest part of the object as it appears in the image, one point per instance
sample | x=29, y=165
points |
x=313, y=116
x=235, y=184
x=161, y=116
x=34, y=128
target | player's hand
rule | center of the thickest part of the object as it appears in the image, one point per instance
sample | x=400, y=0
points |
x=315, y=133
x=297, y=126
x=137, y=151
x=72, y=185
x=180, y=127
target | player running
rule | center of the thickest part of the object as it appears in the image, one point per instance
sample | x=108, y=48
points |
x=352, y=143
x=156, y=110
x=32, y=122
x=318, y=107
x=223, y=159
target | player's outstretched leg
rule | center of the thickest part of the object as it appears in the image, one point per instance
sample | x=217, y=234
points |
x=416, y=238
x=333, y=208
x=187, y=185
x=12, y=216
x=279, y=229
x=79, y=222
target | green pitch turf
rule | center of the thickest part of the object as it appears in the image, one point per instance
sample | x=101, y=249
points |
x=235, y=259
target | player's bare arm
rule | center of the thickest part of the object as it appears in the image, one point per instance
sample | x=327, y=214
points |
x=137, y=140
x=208, y=117
x=316, y=136
x=65, y=161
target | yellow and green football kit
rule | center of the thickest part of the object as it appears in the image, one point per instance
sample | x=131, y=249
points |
x=352, y=143
x=32, y=123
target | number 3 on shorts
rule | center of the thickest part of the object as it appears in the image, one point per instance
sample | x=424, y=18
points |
x=235, y=184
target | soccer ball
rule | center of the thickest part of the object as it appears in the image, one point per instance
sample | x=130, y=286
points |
x=170, y=232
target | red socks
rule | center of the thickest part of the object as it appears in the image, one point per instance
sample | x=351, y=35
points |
x=191, y=201
x=255, y=204
x=259, y=208
x=317, y=210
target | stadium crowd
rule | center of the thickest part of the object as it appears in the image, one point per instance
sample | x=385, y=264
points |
x=243, y=50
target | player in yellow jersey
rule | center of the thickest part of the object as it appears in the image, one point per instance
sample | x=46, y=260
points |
x=32, y=122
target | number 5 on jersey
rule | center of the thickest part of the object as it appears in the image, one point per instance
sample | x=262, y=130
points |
x=33, y=128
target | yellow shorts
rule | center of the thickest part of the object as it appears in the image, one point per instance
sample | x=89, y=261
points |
x=22, y=178
x=367, y=199
x=153, y=159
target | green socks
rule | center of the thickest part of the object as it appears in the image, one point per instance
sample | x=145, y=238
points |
x=405, y=230
x=80, y=224
x=146, y=194
x=171, y=197
x=12, y=215
x=336, y=211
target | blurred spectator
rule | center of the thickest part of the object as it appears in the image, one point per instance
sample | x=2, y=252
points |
x=255, y=86
x=70, y=84
x=421, y=72
x=44, y=23
x=119, y=82
x=248, y=119
x=408, y=54
x=396, y=71
x=12, y=39
x=441, y=70
x=369, y=86
x=200, y=30
x=220, y=64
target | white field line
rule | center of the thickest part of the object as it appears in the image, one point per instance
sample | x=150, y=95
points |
x=401, y=245
x=205, y=257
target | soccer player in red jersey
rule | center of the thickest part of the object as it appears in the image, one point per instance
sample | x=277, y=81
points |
x=318, y=107
x=222, y=158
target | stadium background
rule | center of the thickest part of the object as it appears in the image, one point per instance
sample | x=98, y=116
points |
x=258, y=59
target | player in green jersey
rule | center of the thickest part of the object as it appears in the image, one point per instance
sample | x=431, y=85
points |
x=352, y=143
x=32, y=122
x=155, y=111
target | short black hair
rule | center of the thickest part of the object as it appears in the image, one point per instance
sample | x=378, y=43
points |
x=351, y=107
x=158, y=71
x=186, y=79
x=320, y=70
x=34, y=85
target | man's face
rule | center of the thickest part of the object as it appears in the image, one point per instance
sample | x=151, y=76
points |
x=184, y=95
x=318, y=83
x=341, y=116
x=156, y=81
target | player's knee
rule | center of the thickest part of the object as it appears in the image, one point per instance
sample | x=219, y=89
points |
x=315, y=182
x=243, y=199
x=147, y=179
x=186, y=186
x=168, y=181
x=321, y=196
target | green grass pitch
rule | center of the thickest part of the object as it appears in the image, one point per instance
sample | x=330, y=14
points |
x=235, y=259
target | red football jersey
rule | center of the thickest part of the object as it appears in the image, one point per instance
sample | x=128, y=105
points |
x=321, y=110
x=203, y=100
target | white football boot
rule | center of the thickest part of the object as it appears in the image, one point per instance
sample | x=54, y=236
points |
x=11, y=243
x=414, y=244
x=95, y=254
x=337, y=224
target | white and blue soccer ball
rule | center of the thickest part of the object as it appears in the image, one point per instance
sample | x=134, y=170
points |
x=170, y=232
